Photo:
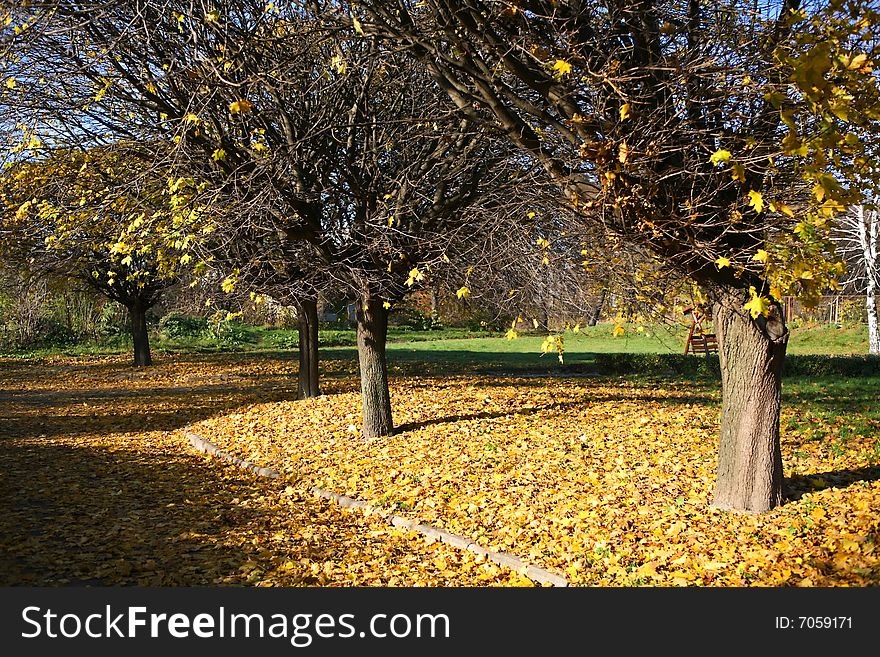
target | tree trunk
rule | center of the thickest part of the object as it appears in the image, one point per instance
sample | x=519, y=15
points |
x=544, y=322
x=596, y=313
x=372, y=332
x=873, y=328
x=435, y=302
x=869, y=239
x=139, y=335
x=308, y=349
x=752, y=353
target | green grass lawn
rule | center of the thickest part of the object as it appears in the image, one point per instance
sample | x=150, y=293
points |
x=464, y=346
x=524, y=352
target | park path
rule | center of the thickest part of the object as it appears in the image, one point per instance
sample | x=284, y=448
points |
x=99, y=486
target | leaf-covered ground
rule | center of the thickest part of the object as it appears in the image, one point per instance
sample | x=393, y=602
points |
x=99, y=487
x=606, y=481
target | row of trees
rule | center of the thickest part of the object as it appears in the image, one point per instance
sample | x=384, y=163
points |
x=319, y=145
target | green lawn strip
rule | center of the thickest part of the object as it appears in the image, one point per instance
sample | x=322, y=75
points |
x=462, y=345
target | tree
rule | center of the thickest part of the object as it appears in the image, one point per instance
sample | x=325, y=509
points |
x=716, y=135
x=335, y=158
x=858, y=241
x=90, y=216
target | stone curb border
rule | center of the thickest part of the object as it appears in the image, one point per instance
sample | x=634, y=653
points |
x=203, y=446
x=505, y=559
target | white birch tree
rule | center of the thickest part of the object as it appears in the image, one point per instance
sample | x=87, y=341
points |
x=858, y=241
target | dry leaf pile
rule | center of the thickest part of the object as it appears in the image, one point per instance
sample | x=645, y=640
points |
x=607, y=482
x=99, y=487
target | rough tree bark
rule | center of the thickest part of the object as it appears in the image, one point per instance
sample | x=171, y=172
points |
x=308, y=349
x=372, y=333
x=752, y=353
x=596, y=312
x=138, y=314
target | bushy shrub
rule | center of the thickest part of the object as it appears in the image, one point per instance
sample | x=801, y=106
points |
x=52, y=333
x=853, y=312
x=179, y=325
x=416, y=320
x=230, y=334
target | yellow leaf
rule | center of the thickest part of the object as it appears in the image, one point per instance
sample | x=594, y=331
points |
x=340, y=65
x=357, y=25
x=562, y=67
x=646, y=570
x=674, y=531
x=414, y=275
x=218, y=155
x=386, y=305
x=715, y=565
x=756, y=200
x=840, y=110
x=857, y=61
x=463, y=292
x=761, y=256
x=720, y=156
x=618, y=331
x=212, y=16
x=511, y=334
x=239, y=106
x=785, y=209
x=738, y=172
x=228, y=284
x=722, y=262
x=10, y=83
x=623, y=153
x=757, y=305
x=625, y=111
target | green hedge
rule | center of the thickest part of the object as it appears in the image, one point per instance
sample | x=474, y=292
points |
x=815, y=365
x=679, y=364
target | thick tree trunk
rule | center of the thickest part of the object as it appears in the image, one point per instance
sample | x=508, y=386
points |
x=139, y=336
x=596, y=313
x=372, y=332
x=873, y=328
x=752, y=353
x=308, y=349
